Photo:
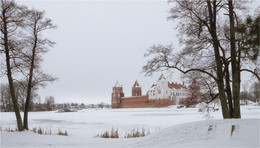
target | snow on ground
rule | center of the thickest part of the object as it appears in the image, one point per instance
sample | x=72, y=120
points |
x=169, y=127
x=210, y=133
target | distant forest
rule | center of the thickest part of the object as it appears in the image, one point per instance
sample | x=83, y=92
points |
x=36, y=103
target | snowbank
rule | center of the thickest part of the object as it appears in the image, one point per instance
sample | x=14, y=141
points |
x=209, y=133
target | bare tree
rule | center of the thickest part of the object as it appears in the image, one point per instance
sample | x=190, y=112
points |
x=35, y=47
x=6, y=100
x=211, y=48
x=11, y=19
x=24, y=45
x=207, y=87
x=50, y=103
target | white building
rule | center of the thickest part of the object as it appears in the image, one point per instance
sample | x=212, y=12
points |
x=163, y=89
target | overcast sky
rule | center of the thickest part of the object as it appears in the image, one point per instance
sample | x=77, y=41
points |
x=100, y=42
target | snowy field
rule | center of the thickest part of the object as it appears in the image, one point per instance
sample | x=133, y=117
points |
x=168, y=127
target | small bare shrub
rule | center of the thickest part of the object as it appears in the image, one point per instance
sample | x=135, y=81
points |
x=115, y=134
x=49, y=131
x=136, y=133
x=11, y=130
x=40, y=131
x=104, y=135
x=34, y=130
x=62, y=133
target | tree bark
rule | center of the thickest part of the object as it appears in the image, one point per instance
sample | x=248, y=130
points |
x=234, y=63
x=220, y=81
x=229, y=91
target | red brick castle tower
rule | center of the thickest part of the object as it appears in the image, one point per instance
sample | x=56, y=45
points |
x=136, y=89
x=117, y=94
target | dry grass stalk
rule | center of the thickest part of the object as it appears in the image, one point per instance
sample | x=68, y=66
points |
x=136, y=133
x=113, y=134
x=62, y=133
x=104, y=135
x=11, y=130
x=41, y=131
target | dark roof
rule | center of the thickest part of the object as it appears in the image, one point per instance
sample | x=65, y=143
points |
x=136, y=84
x=162, y=77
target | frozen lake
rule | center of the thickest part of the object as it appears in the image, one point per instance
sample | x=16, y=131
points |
x=84, y=125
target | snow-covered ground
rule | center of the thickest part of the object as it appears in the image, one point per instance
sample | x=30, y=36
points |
x=168, y=127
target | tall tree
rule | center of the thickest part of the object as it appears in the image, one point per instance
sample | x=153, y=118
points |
x=35, y=46
x=11, y=19
x=24, y=45
x=211, y=48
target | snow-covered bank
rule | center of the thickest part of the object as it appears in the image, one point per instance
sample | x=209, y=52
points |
x=169, y=127
x=209, y=133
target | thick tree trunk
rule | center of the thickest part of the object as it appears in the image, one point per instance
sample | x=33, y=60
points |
x=220, y=81
x=28, y=97
x=234, y=63
x=9, y=74
x=30, y=85
x=223, y=101
x=229, y=91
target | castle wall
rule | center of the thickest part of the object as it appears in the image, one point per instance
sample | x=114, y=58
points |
x=144, y=102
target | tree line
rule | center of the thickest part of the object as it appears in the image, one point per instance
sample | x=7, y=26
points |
x=251, y=93
x=49, y=103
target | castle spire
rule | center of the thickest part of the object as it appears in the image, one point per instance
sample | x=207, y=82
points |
x=136, y=84
x=136, y=89
x=162, y=77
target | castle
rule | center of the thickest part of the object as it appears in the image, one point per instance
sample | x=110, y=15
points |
x=161, y=94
